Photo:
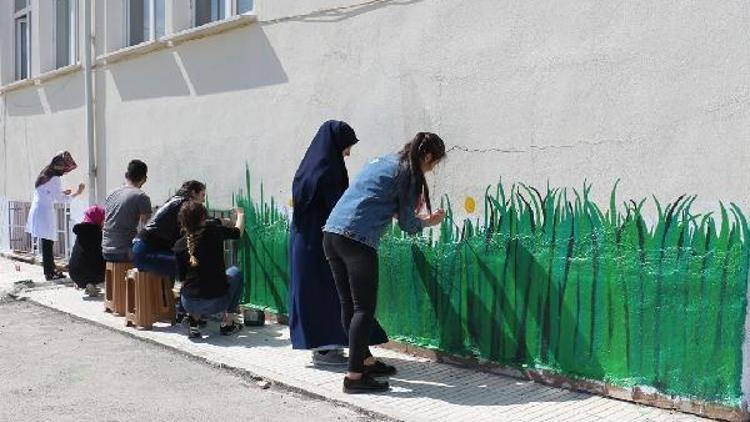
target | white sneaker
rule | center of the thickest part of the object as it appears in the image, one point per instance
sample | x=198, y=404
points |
x=92, y=290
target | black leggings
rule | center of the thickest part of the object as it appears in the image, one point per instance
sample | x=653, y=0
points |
x=48, y=259
x=355, y=272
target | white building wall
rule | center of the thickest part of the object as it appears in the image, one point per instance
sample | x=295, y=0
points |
x=655, y=94
x=39, y=121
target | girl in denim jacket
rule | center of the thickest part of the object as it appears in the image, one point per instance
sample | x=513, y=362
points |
x=390, y=185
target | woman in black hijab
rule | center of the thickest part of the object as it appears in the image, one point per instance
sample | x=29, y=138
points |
x=314, y=308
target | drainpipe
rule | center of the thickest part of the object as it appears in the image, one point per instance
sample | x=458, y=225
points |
x=89, y=100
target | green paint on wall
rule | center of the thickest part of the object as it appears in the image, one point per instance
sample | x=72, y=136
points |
x=550, y=280
x=264, y=253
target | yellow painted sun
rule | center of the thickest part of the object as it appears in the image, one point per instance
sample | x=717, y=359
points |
x=291, y=202
x=470, y=205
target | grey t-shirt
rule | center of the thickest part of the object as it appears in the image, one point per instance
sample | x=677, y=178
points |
x=123, y=207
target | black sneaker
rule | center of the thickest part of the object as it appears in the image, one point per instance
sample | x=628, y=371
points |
x=364, y=385
x=57, y=277
x=183, y=317
x=228, y=330
x=193, y=329
x=379, y=369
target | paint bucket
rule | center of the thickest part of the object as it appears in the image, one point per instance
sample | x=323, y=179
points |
x=253, y=317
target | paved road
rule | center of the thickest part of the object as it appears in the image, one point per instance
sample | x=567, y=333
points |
x=56, y=368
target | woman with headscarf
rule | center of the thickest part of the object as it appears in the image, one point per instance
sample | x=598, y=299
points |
x=86, y=261
x=42, y=222
x=314, y=309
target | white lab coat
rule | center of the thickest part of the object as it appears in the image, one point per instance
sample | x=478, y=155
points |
x=42, y=220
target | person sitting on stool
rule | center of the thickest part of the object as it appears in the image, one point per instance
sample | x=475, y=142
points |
x=208, y=288
x=86, y=263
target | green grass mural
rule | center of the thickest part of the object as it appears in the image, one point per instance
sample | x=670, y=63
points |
x=550, y=280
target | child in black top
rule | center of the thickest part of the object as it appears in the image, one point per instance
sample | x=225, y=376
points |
x=207, y=287
x=86, y=263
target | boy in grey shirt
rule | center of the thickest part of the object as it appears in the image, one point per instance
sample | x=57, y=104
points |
x=125, y=209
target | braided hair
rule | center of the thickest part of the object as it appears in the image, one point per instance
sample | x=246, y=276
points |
x=192, y=217
x=411, y=157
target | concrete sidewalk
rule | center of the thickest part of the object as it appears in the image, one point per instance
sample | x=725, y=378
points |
x=422, y=390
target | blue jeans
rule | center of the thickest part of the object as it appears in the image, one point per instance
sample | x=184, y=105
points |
x=229, y=302
x=148, y=258
x=118, y=257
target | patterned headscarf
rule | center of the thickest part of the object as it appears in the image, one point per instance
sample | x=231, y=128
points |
x=62, y=163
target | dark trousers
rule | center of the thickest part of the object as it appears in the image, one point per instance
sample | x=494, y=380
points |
x=355, y=272
x=48, y=259
x=229, y=302
x=148, y=258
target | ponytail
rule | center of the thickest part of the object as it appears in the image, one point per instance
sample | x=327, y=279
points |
x=192, y=217
x=192, y=239
x=411, y=157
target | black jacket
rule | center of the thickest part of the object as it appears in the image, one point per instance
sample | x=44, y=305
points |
x=86, y=264
x=163, y=229
x=208, y=280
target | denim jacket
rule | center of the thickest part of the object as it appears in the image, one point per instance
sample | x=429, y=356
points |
x=366, y=209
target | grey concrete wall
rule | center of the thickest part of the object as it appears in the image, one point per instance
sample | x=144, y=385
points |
x=37, y=122
x=655, y=94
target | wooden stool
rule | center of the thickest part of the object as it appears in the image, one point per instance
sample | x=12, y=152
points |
x=163, y=300
x=114, y=287
x=148, y=299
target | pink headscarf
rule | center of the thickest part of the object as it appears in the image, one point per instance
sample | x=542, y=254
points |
x=94, y=215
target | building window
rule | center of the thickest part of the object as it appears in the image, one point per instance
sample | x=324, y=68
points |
x=20, y=5
x=159, y=18
x=22, y=22
x=244, y=6
x=207, y=11
x=145, y=20
x=66, y=30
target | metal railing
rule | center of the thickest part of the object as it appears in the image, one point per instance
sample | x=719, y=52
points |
x=18, y=213
x=230, y=246
x=22, y=242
